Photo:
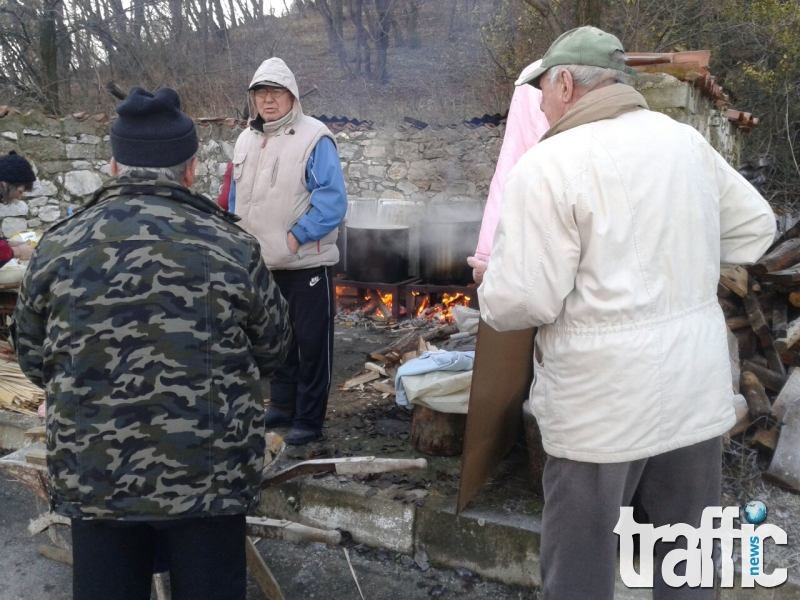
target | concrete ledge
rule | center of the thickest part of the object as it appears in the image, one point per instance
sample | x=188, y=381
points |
x=13, y=427
x=500, y=547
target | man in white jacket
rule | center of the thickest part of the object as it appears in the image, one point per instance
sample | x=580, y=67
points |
x=610, y=240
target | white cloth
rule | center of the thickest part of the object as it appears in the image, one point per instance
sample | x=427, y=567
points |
x=610, y=241
x=429, y=362
x=442, y=391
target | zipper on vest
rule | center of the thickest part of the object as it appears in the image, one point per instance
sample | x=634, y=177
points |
x=275, y=171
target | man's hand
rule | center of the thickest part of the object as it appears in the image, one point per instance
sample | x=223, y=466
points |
x=478, y=268
x=292, y=242
x=22, y=250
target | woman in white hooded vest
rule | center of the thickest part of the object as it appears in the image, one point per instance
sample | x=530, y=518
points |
x=291, y=195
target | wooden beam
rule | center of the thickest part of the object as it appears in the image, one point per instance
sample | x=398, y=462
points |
x=261, y=573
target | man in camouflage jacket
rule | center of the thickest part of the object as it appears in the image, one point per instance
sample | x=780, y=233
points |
x=149, y=317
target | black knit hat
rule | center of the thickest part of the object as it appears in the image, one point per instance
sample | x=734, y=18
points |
x=16, y=170
x=152, y=130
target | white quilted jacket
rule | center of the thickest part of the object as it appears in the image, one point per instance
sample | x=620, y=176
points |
x=610, y=240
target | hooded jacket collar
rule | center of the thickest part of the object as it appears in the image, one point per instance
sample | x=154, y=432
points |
x=145, y=182
x=274, y=71
x=607, y=102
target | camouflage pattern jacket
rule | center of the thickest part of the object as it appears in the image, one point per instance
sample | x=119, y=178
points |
x=148, y=317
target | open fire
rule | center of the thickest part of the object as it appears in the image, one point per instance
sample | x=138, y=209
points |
x=377, y=305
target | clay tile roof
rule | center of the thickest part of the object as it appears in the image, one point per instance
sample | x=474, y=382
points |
x=691, y=67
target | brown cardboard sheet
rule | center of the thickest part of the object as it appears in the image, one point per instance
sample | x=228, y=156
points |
x=501, y=378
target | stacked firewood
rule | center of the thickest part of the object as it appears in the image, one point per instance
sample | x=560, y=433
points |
x=17, y=393
x=761, y=304
x=379, y=374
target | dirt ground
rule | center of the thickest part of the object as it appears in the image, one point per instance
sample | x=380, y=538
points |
x=368, y=423
x=365, y=423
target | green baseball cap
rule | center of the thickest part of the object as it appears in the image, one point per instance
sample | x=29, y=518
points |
x=588, y=46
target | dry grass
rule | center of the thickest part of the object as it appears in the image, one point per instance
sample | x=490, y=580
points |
x=443, y=79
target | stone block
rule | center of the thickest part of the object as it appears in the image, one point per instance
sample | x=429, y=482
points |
x=356, y=171
x=495, y=546
x=42, y=187
x=86, y=138
x=376, y=172
x=407, y=187
x=36, y=203
x=12, y=225
x=407, y=150
x=664, y=91
x=398, y=170
x=81, y=151
x=375, y=521
x=54, y=167
x=375, y=151
x=45, y=148
x=34, y=223
x=82, y=183
x=392, y=195
x=49, y=213
x=17, y=208
x=347, y=150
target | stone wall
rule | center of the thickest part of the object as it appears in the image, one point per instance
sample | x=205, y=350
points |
x=399, y=174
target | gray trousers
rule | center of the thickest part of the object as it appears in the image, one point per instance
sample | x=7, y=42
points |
x=581, y=509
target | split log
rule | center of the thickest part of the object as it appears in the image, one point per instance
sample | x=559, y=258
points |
x=757, y=401
x=787, y=278
x=765, y=439
x=782, y=257
x=789, y=394
x=729, y=309
x=735, y=323
x=734, y=279
x=757, y=320
x=385, y=310
x=376, y=368
x=774, y=359
x=769, y=379
x=790, y=339
x=780, y=320
x=747, y=342
x=794, y=299
x=384, y=387
x=408, y=342
x=57, y=554
x=437, y=433
x=360, y=380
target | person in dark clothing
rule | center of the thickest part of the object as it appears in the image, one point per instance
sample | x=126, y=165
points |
x=149, y=318
x=16, y=178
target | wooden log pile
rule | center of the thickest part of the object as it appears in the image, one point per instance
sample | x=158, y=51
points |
x=761, y=304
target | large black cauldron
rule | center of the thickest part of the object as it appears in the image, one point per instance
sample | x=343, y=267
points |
x=443, y=250
x=377, y=254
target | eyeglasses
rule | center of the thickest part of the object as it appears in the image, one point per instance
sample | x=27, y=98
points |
x=274, y=93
